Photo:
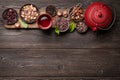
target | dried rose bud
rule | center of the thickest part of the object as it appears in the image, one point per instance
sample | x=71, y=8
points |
x=59, y=13
x=17, y=25
x=65, y=13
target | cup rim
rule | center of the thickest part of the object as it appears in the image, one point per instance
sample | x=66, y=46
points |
x=50, y=25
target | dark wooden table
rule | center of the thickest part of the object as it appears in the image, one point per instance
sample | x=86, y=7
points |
x=38, y=55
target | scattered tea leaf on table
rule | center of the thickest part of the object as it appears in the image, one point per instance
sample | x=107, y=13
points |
x=57, y=31
x=72, y=26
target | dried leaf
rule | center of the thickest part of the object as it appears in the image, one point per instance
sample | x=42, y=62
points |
x=72, y=26
x=57, y=31
x=23, y=24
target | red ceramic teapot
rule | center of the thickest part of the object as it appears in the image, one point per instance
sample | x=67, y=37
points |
x=99, y=16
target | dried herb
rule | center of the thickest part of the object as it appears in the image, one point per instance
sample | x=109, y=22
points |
x=57, y=30
x=72, y=26
x=23, y=24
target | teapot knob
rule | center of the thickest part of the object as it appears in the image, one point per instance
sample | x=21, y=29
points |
x=99, y=14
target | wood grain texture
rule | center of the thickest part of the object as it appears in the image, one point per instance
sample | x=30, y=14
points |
x=32, y=54
x=60, y=62
x=59, y=78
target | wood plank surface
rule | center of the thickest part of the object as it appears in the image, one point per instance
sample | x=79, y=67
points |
x=60, y=62
x=59, y=78
x=35, y=39
x=33, y=54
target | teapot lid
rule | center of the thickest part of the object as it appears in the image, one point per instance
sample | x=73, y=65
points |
x=98, y=15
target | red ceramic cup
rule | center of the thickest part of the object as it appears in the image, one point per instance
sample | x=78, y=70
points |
x=44, y=21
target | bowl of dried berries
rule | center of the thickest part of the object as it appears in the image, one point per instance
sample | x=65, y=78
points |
x=10, y=16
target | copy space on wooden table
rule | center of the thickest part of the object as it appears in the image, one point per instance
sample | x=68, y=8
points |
x=34, y=54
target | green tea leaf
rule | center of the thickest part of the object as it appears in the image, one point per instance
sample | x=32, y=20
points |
x=57, y=31
x=72, y=26
x=23, y=24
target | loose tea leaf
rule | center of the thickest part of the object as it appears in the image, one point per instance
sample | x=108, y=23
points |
x=81, y=27
x=72, y=26
x=52, y=10
x=62, y=24
x=23, y=24
x=57, y=31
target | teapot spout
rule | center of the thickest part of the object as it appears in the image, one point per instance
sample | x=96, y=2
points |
x=94, y=29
